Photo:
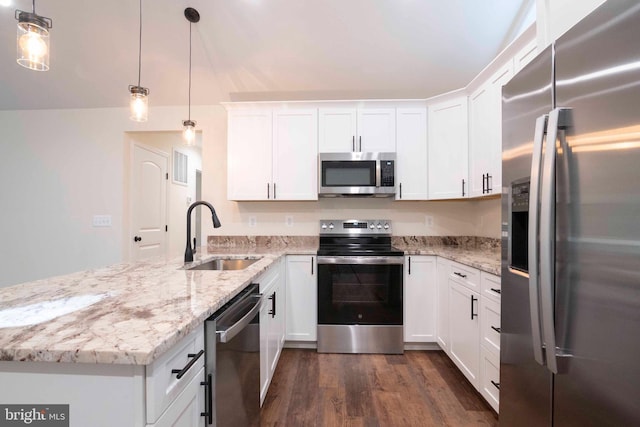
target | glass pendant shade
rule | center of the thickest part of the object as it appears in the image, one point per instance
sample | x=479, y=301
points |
x=189, y=132
x=33, y=41
x=139, y=103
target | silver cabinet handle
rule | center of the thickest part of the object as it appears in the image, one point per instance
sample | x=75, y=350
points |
x=353, y=143
x=557, y=119
x=534, y=194
x=360, y=143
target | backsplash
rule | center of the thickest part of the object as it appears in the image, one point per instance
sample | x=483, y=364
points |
x=471, y=242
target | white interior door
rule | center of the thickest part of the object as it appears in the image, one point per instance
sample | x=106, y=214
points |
x=148, y=202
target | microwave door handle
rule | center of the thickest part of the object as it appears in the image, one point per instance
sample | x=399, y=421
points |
x=534, y=285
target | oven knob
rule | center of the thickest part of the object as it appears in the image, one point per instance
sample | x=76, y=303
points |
x=323, y=226
x=386, y=225
x=330, y=226
x=371, y=226
x=379, y=226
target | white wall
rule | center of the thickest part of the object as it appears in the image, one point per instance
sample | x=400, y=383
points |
x=61, y=167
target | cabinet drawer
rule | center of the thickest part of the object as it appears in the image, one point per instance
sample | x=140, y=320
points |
x=490, y=285
x=490, y=378
x=187, y=408
x=490, y=325
x=465, y=275
x=163, y=386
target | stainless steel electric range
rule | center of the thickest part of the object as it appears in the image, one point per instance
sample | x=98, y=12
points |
x=360, y=307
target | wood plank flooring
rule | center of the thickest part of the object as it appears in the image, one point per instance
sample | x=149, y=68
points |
x=419, y=388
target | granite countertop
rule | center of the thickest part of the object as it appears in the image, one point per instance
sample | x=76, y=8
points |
x=131, y=313
x=127, y=313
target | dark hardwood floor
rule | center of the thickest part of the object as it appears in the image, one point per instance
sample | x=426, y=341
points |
x=419, y=388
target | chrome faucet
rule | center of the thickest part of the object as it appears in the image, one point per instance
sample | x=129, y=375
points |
x=188, y=253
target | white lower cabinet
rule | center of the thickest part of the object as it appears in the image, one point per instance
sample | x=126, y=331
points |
x=420, y=298
x=490, y=339
x=442, y=306
x=490, y=377
x=464, y=330
x=272, y=324
x=186, y=409
x=468, y=324
x=302, y=298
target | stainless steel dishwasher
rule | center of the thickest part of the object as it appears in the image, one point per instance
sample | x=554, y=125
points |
x=232, y=343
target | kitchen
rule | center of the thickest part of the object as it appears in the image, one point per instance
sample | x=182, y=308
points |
x=470, y=218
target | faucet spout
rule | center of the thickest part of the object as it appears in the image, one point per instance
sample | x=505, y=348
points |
x=189, y=251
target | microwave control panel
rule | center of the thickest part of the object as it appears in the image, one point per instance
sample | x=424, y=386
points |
x=387, y=176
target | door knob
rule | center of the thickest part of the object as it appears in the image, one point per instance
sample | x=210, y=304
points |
x=137, y=239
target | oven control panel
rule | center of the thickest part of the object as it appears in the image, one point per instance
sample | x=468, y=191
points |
x=355, y=226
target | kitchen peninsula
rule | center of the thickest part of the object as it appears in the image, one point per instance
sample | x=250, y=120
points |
x=111, y=328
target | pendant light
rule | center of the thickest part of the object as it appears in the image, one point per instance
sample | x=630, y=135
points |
x=139, y=99
x=33, y=39
x=189, y=132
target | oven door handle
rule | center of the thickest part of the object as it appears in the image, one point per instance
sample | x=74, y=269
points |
x=367, y=260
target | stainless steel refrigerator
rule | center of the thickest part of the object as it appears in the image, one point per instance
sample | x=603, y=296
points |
x=570, y=333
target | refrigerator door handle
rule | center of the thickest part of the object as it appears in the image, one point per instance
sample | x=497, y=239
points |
x=558, y=118
x=534, y=192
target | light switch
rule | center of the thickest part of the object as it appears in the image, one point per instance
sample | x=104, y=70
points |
x=101, y=221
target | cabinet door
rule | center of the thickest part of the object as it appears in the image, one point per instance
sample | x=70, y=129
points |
x=442, y=306
x=337, y=130
x=376, y=130
x=249, y=151
x=295, y=155
x=464, y=326
x=448, y=149
x=302, y=298
x=525, y=55
x=485, y=134
x=420, y=299
x=186, y=409
x=411, y=153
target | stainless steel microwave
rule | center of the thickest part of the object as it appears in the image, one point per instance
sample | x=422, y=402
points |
x=356, y=174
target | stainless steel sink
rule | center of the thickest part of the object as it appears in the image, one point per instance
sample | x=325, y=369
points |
x=225, y=264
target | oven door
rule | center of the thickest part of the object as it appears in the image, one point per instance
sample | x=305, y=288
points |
x=362, y=290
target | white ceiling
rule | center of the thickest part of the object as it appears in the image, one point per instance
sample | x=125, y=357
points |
x=256, y=49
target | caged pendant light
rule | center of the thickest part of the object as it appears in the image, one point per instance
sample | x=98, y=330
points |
x=33, y=39
x=139, y=98
x=189, y=132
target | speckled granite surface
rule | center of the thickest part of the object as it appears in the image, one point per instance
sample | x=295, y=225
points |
x=122, y=314
x=131, y=313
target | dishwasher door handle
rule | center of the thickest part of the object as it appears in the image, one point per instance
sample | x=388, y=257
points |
x=227, y=334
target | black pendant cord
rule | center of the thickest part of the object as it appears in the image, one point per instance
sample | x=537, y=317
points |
x=190, y=24
x=139, y=46
x=33, y=6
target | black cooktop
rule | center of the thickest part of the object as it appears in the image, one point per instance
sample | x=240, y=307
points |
x=357, y=246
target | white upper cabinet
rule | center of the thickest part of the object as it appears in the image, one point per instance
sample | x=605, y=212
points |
x=272, y=154
x=337, y=130
x=448, y=149
x=295, y=154
x=376, y=130
x=249, y=154
x=485, y=134
x=411, y=152
x=524, y=56
x=345, y=130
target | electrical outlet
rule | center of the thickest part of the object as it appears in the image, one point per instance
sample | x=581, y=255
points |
x=428, y=220
x=288, y=220
x=101, y=221
x=252, y=221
